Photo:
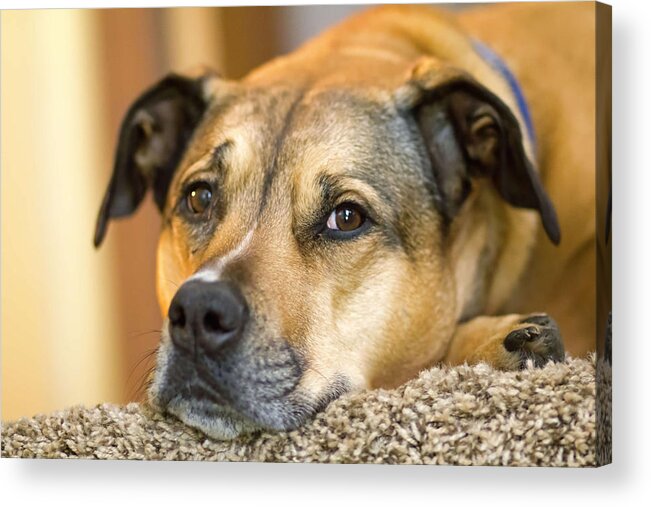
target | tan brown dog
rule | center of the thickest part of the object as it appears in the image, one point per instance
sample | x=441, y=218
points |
x=368, y=206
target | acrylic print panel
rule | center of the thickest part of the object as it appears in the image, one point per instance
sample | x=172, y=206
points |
x=364, y=235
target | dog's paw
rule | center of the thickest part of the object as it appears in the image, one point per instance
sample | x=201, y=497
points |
x=537, y=338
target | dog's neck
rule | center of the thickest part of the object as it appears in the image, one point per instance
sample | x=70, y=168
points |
x=488, y=249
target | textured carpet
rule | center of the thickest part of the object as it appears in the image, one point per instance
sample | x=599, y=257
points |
x=462, y=415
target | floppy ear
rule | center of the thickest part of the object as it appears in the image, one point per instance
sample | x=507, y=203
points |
x=153, y=137
x=471, y=133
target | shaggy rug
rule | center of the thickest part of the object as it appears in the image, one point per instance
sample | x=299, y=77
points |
x=466, y=415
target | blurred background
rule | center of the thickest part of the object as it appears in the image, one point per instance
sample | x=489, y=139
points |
x=79, y=326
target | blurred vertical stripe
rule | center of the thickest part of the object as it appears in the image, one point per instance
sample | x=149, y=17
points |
x=58, y=304
x=191, y=37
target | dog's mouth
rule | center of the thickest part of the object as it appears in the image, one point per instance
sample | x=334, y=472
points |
x=243, y=390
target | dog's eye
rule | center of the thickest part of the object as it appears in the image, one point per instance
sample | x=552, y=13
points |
x=198, y=198
x=346, y=217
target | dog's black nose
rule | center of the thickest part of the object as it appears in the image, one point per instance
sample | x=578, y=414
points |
x=206, y=315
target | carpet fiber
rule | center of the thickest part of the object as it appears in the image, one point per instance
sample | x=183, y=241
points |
x=463, y=415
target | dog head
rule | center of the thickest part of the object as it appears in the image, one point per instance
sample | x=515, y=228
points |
x=310, y=229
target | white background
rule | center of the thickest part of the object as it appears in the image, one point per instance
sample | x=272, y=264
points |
x=626, y=482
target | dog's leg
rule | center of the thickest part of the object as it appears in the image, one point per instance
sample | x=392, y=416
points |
x=507, y=342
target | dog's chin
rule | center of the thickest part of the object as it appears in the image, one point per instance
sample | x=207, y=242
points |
x=216, y=421
x=223, y=422
x=217, y=398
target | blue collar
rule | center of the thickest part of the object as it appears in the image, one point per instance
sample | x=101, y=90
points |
x=500, y=66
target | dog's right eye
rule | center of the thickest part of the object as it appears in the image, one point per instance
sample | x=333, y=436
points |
x=346, y=221
x=346, y=218
x=198, y=198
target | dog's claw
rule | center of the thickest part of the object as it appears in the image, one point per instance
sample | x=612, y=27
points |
x=541, y=341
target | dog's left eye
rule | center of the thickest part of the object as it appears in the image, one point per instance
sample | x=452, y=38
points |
x=346, y=217
x=198, y=198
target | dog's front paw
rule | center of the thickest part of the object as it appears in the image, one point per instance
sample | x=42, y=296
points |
x=537, y=338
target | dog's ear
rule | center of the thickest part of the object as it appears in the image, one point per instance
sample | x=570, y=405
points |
x=152, y=139
x=470, y=133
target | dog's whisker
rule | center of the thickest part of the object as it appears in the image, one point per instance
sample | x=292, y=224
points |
x=136, y=389
x=144, y=384
x=317, y=372
x=172, y=283
x=143, y=333
x=147, y=356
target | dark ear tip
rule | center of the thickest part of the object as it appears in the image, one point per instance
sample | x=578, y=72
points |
x=556, y=237
x=552, y=229
x=99, y=235
x=547, y=213
x=100, y=228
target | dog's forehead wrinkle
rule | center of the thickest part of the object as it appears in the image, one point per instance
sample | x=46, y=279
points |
x=212, y=159
x=281, y=125
x=373, y=148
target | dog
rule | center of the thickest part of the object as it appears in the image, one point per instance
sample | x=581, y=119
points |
x=387, y=197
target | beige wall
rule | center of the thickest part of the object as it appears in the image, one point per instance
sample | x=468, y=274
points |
x=58, y=344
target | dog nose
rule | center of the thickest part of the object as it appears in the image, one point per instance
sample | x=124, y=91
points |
x=206, y=315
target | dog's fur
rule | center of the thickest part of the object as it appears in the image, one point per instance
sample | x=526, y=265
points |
x=394, y=110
